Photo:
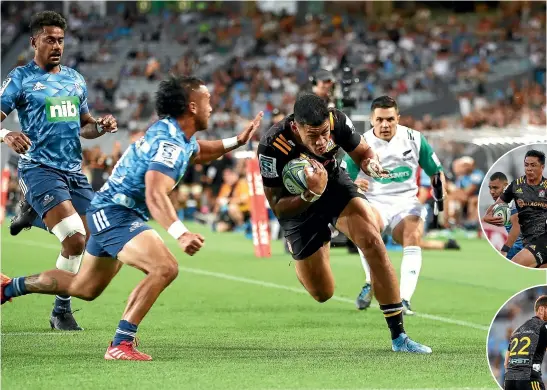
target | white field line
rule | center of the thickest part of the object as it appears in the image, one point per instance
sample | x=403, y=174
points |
x=276, y=286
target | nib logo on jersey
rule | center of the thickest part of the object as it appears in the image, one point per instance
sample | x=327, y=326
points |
x=396, y=175
x=63, y=109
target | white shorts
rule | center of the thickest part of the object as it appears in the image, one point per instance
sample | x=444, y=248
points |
x=393, y=210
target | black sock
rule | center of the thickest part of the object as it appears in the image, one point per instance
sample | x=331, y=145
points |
x=393, y=313
x=62, y=304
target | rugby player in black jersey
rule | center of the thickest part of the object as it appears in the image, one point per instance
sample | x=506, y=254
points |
x=530, y=195
x=317, y=133
x=524, y=356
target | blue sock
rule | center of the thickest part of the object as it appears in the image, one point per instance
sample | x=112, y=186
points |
x=16, y=288
x=126, y=332
x=62, y=304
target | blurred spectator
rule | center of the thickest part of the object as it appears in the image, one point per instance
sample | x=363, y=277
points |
x=232, y=205
x=463, y=197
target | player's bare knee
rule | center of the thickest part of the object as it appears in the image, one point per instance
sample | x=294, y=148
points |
x=74, y=245
x=167, y=271
x=323, y=295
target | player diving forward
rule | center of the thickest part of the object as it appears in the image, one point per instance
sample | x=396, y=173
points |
x=529, y=194
x=138, y=187
x=318, y=133
x=51, y=102
x=401, y=151
x=513, y=244
x=526, y=350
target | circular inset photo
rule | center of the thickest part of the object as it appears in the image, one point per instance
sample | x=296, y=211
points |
x=513, y=206
x=517, y=340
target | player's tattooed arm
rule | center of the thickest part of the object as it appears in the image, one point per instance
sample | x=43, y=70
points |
x=212, y=150
x=285, y=206
x=92, y=128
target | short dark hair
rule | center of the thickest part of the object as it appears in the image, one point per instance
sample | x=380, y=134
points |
x=44, y=19
x=384, y=102
x=310, y=109
x=173, y=95
x=536, y=153
x=541, y=301
x=498, y=176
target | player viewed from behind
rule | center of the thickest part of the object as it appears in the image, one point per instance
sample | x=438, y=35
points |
x=51, y=102
x=513, y=244
x=139, y=186
x=393, y=197
x=529, y=194
x=318, y=133
x=524, y=356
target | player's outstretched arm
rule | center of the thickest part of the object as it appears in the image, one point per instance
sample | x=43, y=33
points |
x=212, y=150
x=513, y=234
x=158, y=186
x=92, y=128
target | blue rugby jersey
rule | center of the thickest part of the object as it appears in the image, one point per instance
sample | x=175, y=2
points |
x=163, y=148
x=49, y=106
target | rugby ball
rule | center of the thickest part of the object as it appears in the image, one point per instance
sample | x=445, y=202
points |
x=294, y=178
x=502, y=210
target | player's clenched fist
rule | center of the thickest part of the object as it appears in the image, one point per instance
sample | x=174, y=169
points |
x=191, y=242
x=108, y=123
x=362, y=184
x=19, y=142
x=316, y=178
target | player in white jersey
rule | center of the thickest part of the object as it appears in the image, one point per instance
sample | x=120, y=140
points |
x=402, y=151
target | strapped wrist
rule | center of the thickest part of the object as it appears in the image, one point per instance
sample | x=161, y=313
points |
x=177, y=229
x=230, y=143
x=3, y=133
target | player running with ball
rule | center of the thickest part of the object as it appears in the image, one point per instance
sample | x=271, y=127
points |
x=318, y=133
x=139, y=186
x=529, y=192
x=401, y=151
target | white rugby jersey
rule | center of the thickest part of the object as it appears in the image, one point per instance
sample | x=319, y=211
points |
x=401, y=156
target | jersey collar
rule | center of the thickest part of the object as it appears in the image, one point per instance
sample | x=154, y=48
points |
x=37, y=67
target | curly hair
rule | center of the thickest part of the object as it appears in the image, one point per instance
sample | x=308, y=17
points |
x=173, y=95
x=46, y=18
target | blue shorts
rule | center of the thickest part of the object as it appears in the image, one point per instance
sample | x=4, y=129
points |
x=111, y=228
x=45, y=187
x=514, y=250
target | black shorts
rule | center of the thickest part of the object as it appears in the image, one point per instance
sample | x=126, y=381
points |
x=524, y=385
x=538, y=247
x=308, y=232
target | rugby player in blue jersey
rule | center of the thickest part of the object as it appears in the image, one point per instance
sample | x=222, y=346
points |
x=513, y=244
x=139, y=186
x=51, y=102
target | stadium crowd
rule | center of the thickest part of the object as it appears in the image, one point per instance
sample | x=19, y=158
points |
x=407, y=56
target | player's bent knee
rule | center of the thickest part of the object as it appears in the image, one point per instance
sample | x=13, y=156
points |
x=322, y=296
x=167, y=271
x=68, y=229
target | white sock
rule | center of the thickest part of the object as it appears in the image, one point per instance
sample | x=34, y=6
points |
x=365, y=266
x=410, y=270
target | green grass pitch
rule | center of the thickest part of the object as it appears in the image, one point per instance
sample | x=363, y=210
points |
x=231, y=321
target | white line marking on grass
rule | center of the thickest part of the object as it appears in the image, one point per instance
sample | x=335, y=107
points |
x=38, y=334
x=335, y=298
x=280, y=287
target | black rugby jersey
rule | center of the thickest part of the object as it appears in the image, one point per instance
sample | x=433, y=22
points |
x=526, y=350
x=531, y=203
x=278, y=146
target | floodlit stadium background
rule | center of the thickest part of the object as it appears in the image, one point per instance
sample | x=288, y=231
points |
x=471, y=76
